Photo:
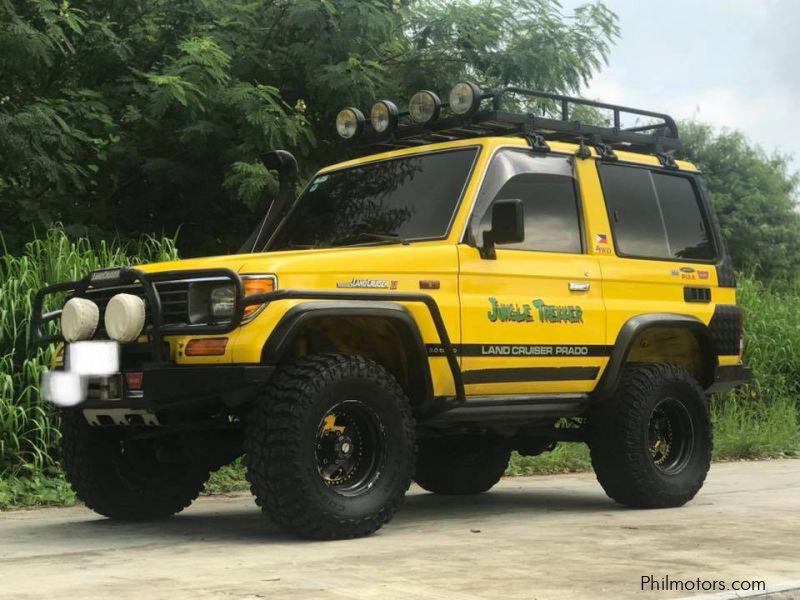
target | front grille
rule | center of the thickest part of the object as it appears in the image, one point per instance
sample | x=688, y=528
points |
x=174, y=302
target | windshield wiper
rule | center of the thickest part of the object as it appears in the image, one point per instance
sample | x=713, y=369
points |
x=366, y=235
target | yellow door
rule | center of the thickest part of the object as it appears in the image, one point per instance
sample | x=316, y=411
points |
x=533, y=319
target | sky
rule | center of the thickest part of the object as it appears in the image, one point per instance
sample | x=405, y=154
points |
x=732, y=63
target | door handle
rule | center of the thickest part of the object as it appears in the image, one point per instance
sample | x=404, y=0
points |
x=578, y=286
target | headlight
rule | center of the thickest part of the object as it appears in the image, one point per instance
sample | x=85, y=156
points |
x=211, y=301
x=221, y=301
x=384, y=116
x=349, y=123
x=465, y=98
x=424, y=107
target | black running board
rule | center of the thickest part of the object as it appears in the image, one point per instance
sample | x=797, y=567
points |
x=512, y=409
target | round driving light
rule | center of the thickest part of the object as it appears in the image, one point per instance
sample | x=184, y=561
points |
x=124, y=317
x=424, y=107
x=384, y=116
x=465, y=98
x=79, y=319
x=349, y=123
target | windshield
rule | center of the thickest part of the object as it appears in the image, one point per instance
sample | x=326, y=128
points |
x=408, y=198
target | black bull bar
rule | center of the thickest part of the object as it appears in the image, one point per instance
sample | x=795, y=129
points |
x=156, y=329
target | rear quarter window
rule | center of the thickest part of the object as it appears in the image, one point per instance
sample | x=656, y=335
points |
x=655, y=215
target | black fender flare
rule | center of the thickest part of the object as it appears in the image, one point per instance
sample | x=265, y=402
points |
x=639, y=323
x=283, y=336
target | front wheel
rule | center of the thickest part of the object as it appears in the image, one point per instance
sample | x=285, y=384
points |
x=122, y=477
x=330, y=449
x=651, y=444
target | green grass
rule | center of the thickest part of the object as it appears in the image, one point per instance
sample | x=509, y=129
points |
x=755, y=430
x=47, y=488
x=228, y=479
x=565, y=458
x=757, y=421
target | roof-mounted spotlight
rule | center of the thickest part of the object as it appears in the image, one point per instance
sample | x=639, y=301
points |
x=384, y=116
x=424, y=107
x=465, y=98
x=349, y=123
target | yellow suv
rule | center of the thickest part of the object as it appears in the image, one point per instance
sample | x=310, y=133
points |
x=477, y=281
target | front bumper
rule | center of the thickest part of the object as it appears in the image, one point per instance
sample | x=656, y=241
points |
x=171, y=387
x=728, y=377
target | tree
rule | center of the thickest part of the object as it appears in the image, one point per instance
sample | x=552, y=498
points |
x=149, y=115
x=755, y=196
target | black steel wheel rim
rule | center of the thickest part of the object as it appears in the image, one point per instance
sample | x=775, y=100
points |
x=670, y=436
x=350, y=448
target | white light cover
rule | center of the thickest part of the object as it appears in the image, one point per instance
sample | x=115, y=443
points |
x=124, y=317
x=79, y=319
x=64, y=388
x=93, y=358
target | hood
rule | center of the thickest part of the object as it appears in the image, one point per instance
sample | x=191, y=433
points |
x=230, y=261
x=355, y=259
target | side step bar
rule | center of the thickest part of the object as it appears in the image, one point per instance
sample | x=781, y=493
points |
x=512, y=409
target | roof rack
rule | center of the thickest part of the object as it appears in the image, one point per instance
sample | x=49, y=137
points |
x=657, y=137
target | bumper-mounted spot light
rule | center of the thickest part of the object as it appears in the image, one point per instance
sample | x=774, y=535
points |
x=79, y=319
x=124, y=319
x=465, y=98
x=349, y=123
x=424, y=107
x=384, y=116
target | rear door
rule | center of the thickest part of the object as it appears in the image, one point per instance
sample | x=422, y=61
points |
x=664, y=248
x=533, y=319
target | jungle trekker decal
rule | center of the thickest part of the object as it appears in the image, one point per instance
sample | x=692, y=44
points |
x=536, y=310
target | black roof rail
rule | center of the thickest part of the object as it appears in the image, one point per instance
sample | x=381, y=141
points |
x=660, y=136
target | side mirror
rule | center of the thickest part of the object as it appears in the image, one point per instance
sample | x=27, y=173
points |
x=508, y=226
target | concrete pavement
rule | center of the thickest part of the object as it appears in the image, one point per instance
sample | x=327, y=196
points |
x=530, y=537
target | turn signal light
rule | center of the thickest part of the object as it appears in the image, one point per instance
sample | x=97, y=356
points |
x=206, y=347
x=257, y=286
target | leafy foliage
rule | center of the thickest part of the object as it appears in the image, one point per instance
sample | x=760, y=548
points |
x=755, y=196
x=118, y=117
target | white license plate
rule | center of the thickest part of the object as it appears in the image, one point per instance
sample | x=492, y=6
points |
x=95, y=358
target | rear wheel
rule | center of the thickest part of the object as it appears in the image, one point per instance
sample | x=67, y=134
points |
x=651, y=444
x=460, y=464
x=123, y=478
x=330, y=449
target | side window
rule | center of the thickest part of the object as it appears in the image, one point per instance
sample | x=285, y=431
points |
x=546, y=186
x=633, y=211
x=686, y=225
x=654, y=214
